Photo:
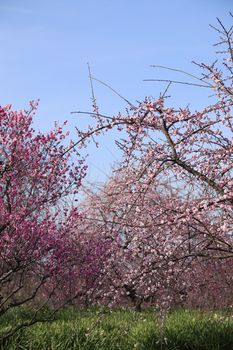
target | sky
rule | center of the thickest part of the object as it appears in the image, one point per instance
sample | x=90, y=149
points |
x=46, y=44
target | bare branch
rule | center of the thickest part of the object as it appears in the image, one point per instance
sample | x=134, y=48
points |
x=115, y=92
x=178, y=82
x=181, y=71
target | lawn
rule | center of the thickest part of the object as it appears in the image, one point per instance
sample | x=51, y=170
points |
x=104, y=329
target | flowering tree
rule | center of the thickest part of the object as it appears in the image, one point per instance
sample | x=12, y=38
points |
x=139, y=254
x=195, y=150
x=149, y=262
x=37, y=248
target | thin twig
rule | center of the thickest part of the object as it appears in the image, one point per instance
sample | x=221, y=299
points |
x=91, y=113
x=181, y=71
x=95, y=107
x=165, y=91
x=117, y=93
x=178, y=82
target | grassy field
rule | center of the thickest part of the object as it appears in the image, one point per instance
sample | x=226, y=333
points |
x=101, y=329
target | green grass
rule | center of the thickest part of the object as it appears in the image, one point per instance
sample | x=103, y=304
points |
x=102, y=329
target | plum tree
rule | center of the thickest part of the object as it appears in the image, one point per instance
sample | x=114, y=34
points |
x=37, y=248
x=192, y=220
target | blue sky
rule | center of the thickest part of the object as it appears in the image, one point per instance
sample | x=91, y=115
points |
x=45, y=46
